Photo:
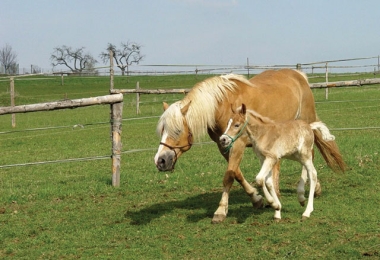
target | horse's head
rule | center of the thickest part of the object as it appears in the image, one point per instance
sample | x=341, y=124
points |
x=235, y=127
x=176, y=137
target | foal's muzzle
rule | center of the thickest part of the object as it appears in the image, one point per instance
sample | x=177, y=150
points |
x=225, y=140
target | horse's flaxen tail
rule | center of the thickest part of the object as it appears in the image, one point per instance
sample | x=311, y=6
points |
x=328, y=147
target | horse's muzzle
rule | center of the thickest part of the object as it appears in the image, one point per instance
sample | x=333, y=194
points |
x=165, y=161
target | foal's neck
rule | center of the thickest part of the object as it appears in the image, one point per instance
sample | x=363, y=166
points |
x=257, y=126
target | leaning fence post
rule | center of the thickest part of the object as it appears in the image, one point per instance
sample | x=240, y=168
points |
x=116, y=118
x=62, y=82
x=137, y=98
x=12, y=90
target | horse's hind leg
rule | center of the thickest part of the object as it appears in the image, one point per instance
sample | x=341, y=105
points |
x=276, y=178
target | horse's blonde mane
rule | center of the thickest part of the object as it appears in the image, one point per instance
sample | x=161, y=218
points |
x=204, y=98
x=264, y=119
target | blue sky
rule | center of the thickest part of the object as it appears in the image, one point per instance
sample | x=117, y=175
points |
x=195, y=31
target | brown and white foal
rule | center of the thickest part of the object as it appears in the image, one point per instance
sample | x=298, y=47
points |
x=272, y=141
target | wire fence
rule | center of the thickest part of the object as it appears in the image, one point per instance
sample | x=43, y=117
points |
x=102, y=157
x=363, y=65
x=372, y=65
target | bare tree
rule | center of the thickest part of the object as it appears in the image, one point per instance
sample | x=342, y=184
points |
x=128, y=54
x=8, y=58
x=76, y=60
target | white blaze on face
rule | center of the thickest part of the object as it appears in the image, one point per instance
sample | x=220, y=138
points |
x=163, y=140
x=228, y=126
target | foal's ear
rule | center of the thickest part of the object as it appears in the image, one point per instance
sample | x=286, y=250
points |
x=185, y=108
x=165, y=105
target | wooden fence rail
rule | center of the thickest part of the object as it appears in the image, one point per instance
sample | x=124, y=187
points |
x=116, y=102
x=108, y=99
x=347, y=83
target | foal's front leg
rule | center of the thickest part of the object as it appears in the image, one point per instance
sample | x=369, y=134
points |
x=262, y=179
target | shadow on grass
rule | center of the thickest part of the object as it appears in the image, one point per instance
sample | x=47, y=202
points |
x=198, y=208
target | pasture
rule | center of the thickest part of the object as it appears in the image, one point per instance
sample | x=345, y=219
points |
x=70, y=210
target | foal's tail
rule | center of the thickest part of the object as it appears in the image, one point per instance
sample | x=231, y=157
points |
x=326, y=135
x=324, y=140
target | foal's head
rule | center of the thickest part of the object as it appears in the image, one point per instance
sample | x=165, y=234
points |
x=235, y=127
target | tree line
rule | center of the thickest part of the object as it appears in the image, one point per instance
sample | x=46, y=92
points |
x=77, y=60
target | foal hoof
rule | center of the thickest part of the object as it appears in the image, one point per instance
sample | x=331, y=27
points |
x=304, y=218
x=277, y=220
x=302, y=203
x=218, y=218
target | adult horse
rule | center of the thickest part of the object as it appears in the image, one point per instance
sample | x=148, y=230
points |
x=280, y=95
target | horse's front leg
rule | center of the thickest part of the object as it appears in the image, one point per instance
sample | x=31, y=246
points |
x=233, y=172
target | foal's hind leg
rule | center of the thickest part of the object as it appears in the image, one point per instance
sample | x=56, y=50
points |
x=312, y=172
x=318, y=188
x=301, y=187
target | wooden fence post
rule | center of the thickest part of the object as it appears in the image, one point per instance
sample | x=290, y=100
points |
x=116, y=118
x=137, y=98
x=327, y=82
x=12, y=90
x=111, y=70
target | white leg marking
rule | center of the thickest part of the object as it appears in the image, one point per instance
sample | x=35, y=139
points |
x=313, y=181
x=301, y=186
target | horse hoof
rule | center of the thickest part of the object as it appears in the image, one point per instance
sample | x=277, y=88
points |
x=318, y=190
x=258, y=204
x=218, y=218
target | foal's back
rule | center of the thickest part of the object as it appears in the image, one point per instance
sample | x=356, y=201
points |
x=289, y=139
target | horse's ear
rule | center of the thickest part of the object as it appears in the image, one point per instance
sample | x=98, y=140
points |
x=165, y=105
x=243, y=109
x=185, y=108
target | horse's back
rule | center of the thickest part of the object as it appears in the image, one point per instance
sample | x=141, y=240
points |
x=289, y=92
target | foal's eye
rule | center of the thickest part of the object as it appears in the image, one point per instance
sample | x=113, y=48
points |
x=237, y=125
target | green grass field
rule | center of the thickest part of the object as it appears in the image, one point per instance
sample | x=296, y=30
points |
x=69, y=210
